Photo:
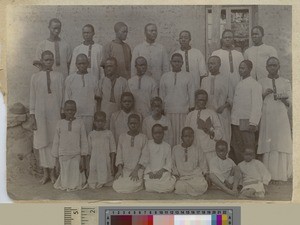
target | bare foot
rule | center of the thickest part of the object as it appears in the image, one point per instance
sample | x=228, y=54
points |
x=52, y=177
x=44, y=180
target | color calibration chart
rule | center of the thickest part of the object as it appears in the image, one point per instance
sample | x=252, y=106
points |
x=202, y=215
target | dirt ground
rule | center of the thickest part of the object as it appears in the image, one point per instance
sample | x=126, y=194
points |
x=24, y=185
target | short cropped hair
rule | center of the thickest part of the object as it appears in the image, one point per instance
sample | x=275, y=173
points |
x=82, y=55
x=176, y=55
x=261, y=29
x=227, y=31
x=54, y=20
x=70, y=102
x=100, y=114
x=215, y=56
x=47, y=52
x=127, y=94
x=112, y=59
x=156, y=125
x=119, y=25
x=149, y=24
x=134, y=116
x=272, y=57
x=201, y=92
x=248, y=63
x=185, y=129
x=154, y=99
x=186, y=31
x=90, y=26
x=221, y=143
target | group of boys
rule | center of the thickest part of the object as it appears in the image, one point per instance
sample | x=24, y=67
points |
x=203, y=123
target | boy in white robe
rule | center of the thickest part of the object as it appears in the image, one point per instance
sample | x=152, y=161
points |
x=177, y=92
x=206, y=125
x=255, y=176
x=92, y=50
x=223, y=172
x=111, y=88
x=61, y=49
x=189, y=166
x=157, y=117
x=259, y=53
x=70, y=148
x=46, y=101
x=230, y=58
x=220, y=94
x=102, y=153
x=129, y=177
x=157, y=160
x=143, y=87
x=82, y=87
x=193, y=59
x=119, y=119
x=275, y=138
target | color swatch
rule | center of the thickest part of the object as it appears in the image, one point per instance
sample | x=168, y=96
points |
x=215, y=219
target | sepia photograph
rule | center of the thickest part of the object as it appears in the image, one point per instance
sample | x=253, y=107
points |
x=149, y=102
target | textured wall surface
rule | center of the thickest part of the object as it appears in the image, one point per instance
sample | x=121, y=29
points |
x=27, y=26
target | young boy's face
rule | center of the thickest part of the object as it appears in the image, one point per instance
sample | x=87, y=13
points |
x=227, y=39
x=110, y=68
x=122, y=33
x=244, y=70
x=248, y=155
x=70, y=110
x=55, y=28
x=127, y=102
x=82, y=64
x=187, y=137
x=141, y=66
x=99, y=122
x=200, y=101
x=256, y=36
x=222, y=151
x=272, y=66
x=48, y=61
x=158, y=134
x=156, y=107
x=213, y=65
x=184, y=39
x=87, y=33
x=176, y=63
x=133, y=124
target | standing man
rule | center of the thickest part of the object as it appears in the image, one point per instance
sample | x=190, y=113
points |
x=61, y=49
x=246, y=112
x=155, y=54
x=92, y=50
x=193, y=59
x=119, y=50
x=259, y=53
x=230, y=58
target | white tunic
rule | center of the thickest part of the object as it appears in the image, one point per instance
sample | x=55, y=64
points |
x=149, y=122
x=177, y=91
x=143, y=88
x=254, y=175
x=96, y=58
x=101, y=144
x=259, y=55
x=45, y=106
x=220, y=91
x=65, y=52
x=221, y=168
x=156, y=56
x=82, y=89
x=196, y=62
x=237, y=58
x=129, y=157
x=189, y=165
x=247, y=102
x=154, y=158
